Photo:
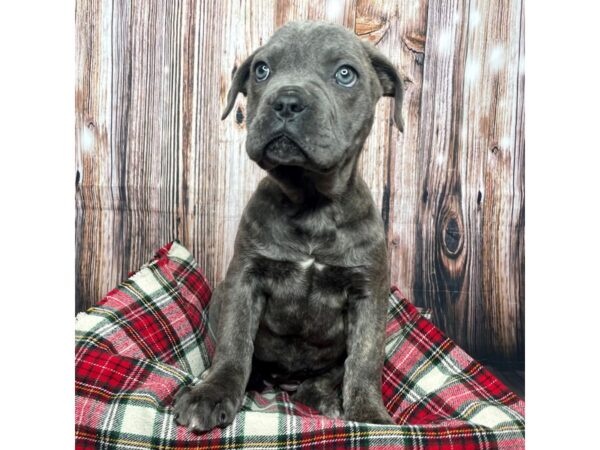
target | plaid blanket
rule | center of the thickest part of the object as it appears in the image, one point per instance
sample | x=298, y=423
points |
x=150, y=336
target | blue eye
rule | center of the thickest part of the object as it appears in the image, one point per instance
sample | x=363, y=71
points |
x=262, y=72
x=346, y=76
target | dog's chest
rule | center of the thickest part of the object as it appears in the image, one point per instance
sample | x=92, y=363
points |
x=304, y=297
x=303, y=325
x=306, y=268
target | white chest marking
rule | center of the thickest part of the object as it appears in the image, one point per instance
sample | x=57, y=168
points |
x=319, y=266
x=309, y=262
x=306, y=263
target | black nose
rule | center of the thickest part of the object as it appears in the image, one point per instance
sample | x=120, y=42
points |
x=288, y=106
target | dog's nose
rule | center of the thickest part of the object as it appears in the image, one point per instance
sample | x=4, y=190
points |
x=288, y=105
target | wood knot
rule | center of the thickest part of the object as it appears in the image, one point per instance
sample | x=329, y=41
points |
x=495, y=150
x=371, y=29
x=452, y=237
x=415, y=43
x=239, y=115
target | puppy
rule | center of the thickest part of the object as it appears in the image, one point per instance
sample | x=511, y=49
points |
x=304, y=301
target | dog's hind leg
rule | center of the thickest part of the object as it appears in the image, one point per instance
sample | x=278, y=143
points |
x=323, y=392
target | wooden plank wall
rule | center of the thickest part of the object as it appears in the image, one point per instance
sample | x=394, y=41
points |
x=155, y=163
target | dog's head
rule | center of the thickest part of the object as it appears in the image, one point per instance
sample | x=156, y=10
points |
x=311, y=95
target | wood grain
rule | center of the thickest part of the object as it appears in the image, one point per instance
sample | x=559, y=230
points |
x=155, y=163
x=469, y=241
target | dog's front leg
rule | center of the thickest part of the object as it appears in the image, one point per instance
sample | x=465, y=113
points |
x=217, y=399
x=366, y=320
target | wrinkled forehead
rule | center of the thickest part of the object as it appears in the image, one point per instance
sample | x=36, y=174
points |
x=311, y=43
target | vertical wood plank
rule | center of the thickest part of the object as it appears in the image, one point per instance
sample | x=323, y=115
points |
x=501, y=128
x=441, y=258
x=94, y=164
x=390, y=160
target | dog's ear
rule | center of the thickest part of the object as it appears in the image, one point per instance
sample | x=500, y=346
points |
x=391, y=82
x=239, y=83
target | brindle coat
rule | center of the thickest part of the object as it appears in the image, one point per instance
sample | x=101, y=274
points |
x=305, y=296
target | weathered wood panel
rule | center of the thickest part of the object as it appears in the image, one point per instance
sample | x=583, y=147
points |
x=154, y=162
x=468, y=248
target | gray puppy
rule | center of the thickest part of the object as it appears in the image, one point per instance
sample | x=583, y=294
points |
x=304, y=301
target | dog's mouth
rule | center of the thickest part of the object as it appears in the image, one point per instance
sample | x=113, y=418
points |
x=282, y=151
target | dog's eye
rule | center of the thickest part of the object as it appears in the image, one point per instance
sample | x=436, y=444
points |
x=346, y=76
x=262, y=72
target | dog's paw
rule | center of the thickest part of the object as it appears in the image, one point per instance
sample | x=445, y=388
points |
x=369, y=414
x=204, y=407
x=329, y=405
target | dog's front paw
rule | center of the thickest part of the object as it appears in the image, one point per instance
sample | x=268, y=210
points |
x=369, y=414
x=205, y=406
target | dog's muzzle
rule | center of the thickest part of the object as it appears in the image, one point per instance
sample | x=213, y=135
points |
x=283, y=151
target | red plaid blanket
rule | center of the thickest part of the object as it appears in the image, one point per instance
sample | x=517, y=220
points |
x=149, y=336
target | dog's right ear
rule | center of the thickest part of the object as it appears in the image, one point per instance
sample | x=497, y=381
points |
x=389, y=79
x=239, y=83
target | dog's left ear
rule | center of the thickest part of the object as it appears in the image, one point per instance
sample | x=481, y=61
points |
x=239, y=83
x=391, y=82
